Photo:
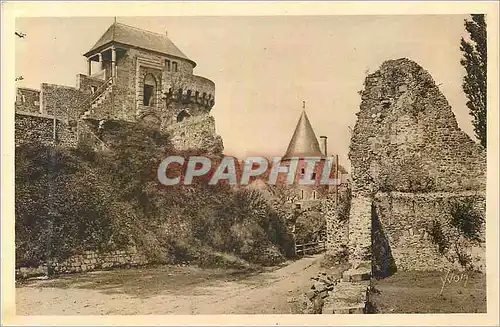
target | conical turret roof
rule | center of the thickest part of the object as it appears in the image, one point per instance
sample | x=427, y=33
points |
x=304, y=142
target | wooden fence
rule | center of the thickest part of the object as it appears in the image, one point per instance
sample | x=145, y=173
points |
x=310, y=248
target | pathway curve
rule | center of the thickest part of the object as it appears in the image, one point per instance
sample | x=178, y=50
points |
x=169, y=290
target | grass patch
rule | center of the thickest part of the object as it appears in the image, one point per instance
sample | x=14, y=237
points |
x=420, y=292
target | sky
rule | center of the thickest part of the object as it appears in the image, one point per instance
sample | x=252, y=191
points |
x=265, y=66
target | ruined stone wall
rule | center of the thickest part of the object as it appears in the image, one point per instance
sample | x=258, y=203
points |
x=337, y=224
x=40, y=129
x=27, y=100
x=196, y=132
x=405, y=219
x=64, y=101
x=87, y=261
x=157, y=106
x=406, y=140
x=406, y=137
x=360, y=250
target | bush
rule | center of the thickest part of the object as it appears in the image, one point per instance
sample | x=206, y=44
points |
x=310, y=227
x=257, y=228
x=461, y=229
x=466, y=219
x=438, y=237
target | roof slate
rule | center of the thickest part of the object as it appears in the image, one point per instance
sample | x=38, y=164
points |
x=304, y=142
x=137, y=37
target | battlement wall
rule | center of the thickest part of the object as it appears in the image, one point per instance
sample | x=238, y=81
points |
x=195, y=89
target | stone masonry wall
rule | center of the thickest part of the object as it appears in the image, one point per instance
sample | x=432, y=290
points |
x=337, y=228
x=360, y=231
x=196, y=132
x=132, y=67
x=406, y=139
x=87, y=261
x=193, y=83
x=191, y=92
x=39, y=129
x=405, y=219
x=158, y=104
x=65, y=101
x=86, y=83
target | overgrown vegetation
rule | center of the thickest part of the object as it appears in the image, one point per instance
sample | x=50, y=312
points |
x=466, y=219
x=438, y=237
x=70, y=200
x=310, y=227
x=461, y=230
x=308, y=224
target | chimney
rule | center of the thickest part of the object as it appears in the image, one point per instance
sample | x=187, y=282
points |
x=166, y=33
x=323, y=145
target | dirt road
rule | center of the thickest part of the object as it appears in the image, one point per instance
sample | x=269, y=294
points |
x=169, y=290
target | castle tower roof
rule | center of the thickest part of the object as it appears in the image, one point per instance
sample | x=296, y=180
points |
x=119, y=33
x=304, y=142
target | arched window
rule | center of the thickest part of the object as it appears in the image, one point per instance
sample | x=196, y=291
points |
x=148, y=98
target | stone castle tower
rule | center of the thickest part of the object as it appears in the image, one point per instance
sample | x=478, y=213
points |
x=133, y=75
x=304, y=144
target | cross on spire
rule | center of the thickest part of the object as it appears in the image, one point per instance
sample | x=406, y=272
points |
x=303, y=105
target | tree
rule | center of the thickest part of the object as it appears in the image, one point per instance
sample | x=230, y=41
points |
x=475, y=63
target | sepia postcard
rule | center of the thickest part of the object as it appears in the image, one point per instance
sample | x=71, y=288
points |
x=250, y=163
